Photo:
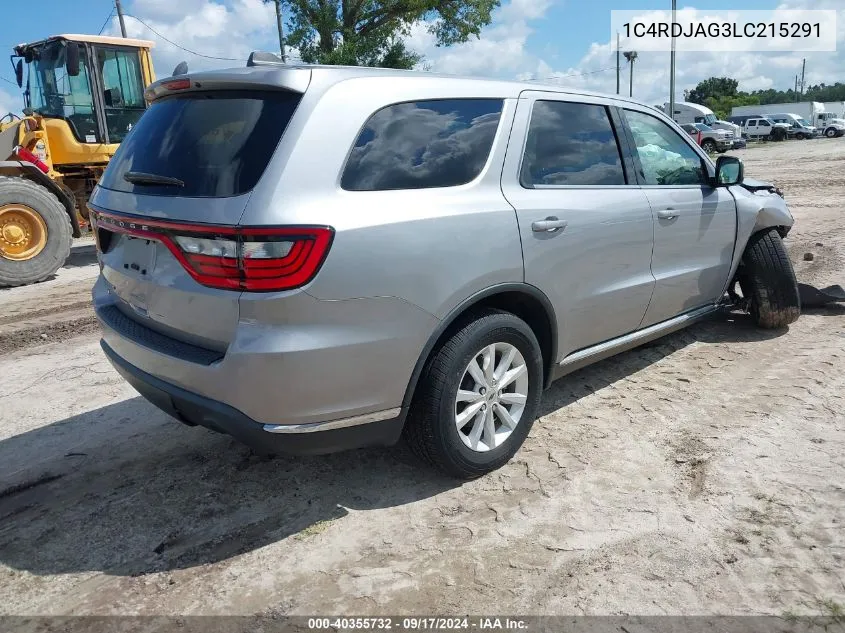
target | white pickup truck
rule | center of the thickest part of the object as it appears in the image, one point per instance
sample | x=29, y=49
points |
x=765, y=128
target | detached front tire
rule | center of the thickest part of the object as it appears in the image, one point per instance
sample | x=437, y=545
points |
x=35, y=232
x=768, y=281
x=478, y=396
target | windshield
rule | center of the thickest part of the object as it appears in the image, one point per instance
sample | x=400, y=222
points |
x=703, y=128
x=803, y=123
x=52, y=93
x=710, y=119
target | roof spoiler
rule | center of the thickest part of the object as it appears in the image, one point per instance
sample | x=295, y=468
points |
x=262, y=58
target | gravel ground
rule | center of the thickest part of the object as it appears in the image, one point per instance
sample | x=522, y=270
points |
x=701, y=474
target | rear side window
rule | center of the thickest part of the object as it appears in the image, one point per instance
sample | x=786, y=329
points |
x=217, y=144
x=571, y=144
x=423, y=144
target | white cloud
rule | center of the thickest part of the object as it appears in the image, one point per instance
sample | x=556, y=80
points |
x=501, y=53
x=230, y=30
x=233, y=28
x=10, y=101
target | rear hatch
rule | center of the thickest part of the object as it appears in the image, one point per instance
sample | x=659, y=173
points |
x=168, y=207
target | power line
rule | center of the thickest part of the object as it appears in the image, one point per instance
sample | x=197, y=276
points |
x=14, y=83
x=102, y=28
x=187, y=50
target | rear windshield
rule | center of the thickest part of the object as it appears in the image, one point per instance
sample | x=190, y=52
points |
x=216, y=143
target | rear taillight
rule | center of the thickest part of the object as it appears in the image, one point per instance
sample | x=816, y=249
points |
x=255, y=259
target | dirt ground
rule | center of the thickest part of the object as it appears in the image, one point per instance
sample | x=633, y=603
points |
x=702, y=474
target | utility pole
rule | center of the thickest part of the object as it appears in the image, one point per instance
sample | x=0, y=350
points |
x=618, y=66
x=631, y=56
x=803, y=68
x=795, y=92
x=671, y=112
x=278, y=4
x=120, y=17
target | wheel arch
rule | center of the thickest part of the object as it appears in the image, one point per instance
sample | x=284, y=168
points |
x=755, y=214
x=523, y=300
x=31, y=172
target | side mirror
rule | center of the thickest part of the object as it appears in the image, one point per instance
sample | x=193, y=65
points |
x=729, y=171
x=72, y=59
x=19, y=73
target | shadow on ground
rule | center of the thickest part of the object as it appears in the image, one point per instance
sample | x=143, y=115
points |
x=724, y=327
x=125, y=490
x=82, y=255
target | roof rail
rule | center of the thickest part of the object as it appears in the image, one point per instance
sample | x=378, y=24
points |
x=262, y=58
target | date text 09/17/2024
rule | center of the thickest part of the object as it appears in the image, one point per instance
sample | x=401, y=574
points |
x=418, y=623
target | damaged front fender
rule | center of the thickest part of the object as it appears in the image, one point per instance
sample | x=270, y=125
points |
x=759, y=206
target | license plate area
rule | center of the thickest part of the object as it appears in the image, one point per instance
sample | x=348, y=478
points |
x=138, y=256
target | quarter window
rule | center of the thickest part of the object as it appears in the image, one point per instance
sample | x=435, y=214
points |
x=423, y=144
x=570, y=144
x=664, y=156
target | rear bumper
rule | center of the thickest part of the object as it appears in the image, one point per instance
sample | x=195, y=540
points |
x=382, y=429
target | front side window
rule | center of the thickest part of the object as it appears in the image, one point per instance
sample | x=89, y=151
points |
x=666, y=159
x=571, y=144
x=423, y=144
x=123, y=90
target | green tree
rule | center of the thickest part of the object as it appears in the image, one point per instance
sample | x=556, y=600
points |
x=371, y=32
x=713, y=87
x=723, y=105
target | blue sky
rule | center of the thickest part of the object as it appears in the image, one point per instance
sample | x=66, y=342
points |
x=563, y=40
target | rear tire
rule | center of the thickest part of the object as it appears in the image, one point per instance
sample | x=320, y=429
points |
x=432, y=430
x=21, y=191
x=768, y=281
x=831, y=132
x=800, y=136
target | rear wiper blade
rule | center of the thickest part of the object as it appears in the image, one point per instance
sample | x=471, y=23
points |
x=143, y=178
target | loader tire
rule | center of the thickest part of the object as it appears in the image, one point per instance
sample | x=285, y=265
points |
x=768, y=280
x=22, y=198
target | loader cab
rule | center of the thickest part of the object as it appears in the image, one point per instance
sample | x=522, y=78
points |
x=94, y=83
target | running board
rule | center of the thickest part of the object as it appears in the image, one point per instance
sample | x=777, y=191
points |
x=590, y=355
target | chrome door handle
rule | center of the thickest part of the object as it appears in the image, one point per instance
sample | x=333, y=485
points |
x=667, y=214
x=549, y=225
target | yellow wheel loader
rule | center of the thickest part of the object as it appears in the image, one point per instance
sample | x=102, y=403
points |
x=82, y=95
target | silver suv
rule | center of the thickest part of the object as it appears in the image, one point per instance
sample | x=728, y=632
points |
x=313, y=259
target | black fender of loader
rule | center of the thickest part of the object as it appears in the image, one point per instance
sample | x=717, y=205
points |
x=31, y=172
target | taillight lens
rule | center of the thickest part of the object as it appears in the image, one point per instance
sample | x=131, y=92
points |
x=254, y=259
